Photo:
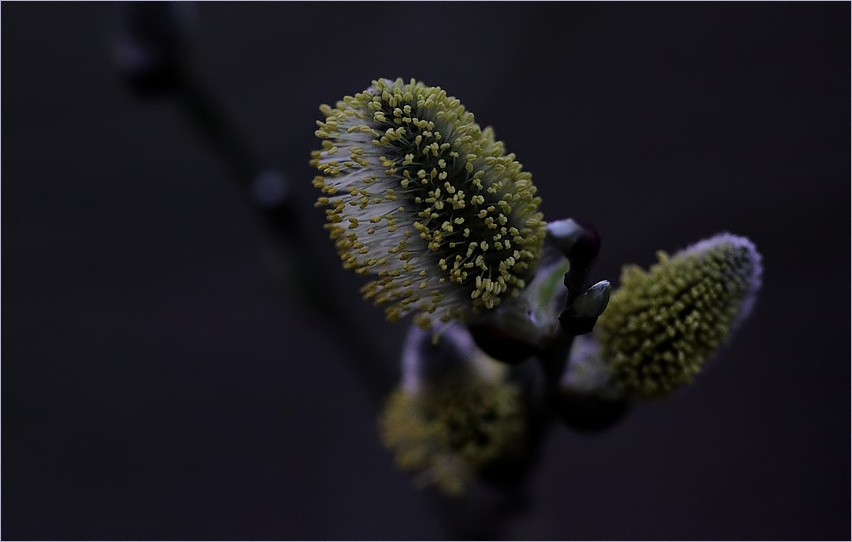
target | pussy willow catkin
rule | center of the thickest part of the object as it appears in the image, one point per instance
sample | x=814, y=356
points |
x=420, y=197
x=661, y=326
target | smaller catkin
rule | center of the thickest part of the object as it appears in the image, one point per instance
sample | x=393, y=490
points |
x=661, y=326
x=446, y=433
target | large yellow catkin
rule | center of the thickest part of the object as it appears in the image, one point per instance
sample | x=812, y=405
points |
x=420, y=197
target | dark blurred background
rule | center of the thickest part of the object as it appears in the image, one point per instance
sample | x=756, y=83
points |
x=161, y=381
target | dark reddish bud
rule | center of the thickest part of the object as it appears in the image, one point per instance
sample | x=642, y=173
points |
x=578, y=240
x=587, y=245
x=500, y=345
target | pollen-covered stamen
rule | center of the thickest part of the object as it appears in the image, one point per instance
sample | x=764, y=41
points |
x=419, y=195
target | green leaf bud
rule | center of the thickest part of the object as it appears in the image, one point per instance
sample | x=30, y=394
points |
x=526, y=325
x=593, y=301
x=580, y=317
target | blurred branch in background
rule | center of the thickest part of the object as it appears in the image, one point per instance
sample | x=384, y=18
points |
x=149, y=49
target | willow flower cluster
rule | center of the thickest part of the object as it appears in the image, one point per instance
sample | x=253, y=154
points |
x=427, y=202
x=446, y=226
x=663, y=325
x=454, y=413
